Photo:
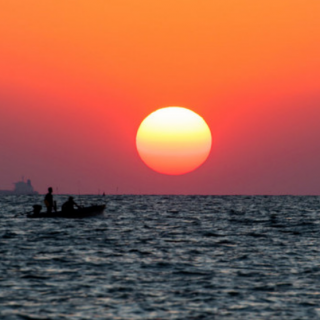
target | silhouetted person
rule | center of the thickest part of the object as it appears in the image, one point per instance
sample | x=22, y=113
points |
x=69, y=205
x=48, y=201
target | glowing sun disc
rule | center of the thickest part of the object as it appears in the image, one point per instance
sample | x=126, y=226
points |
x=173, y=140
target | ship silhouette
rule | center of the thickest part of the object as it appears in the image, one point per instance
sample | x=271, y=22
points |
x=20, y=188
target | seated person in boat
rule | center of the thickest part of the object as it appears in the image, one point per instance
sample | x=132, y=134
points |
x=69, y=205
x=48, y=201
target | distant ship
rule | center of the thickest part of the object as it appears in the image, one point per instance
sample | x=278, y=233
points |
x=20, y=187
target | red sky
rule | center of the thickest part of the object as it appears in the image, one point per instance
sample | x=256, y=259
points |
x=78, y=77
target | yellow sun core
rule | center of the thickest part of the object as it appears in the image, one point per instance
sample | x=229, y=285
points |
x=173, y=140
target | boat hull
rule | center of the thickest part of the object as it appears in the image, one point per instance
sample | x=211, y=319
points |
x=74, y=214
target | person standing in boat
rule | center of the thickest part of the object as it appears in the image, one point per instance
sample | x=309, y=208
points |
x=48, y=201
x=69, y=205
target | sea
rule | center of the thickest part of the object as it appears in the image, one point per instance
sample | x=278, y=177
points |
x=162, y=257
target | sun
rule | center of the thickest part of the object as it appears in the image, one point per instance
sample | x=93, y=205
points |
x=173, y=140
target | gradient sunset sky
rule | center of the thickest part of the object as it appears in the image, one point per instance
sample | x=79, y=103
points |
x=78, y=77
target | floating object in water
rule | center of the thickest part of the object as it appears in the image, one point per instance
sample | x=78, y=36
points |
x=71, y=214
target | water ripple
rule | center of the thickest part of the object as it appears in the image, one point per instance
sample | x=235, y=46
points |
x=163, y=257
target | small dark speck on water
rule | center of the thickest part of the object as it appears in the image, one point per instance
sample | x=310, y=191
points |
x=163, y=257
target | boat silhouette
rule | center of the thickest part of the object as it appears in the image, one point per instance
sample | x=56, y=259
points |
x=83, y=212
x=20, y=188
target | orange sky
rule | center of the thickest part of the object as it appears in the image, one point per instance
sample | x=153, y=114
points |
x=78, y=77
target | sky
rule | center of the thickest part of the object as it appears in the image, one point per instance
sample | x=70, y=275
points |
x=78, y=77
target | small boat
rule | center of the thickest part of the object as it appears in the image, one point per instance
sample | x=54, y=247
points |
x=71, y=214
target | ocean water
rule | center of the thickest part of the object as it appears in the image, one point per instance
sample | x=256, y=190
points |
x=163, y=257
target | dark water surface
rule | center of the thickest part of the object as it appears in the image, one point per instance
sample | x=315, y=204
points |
x=163, y=257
